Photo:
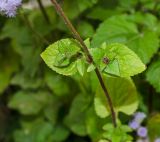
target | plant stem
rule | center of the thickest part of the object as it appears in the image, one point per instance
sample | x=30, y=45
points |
x=72, y=29
x=88, y=56
x=43, y=11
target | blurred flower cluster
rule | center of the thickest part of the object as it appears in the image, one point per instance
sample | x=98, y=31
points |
x=9, y=7
x=142, y=132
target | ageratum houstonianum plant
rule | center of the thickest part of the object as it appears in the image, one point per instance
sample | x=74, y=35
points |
x=73, y=55
x=9, y=7
x=116, y=60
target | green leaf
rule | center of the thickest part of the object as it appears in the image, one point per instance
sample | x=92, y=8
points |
x=78, y=6
x=39, y=130
x=51, y=110
x=87, y=42
x=81, y=66
x=102, y=140
x=25, y=81
x=85, y=29
x=39, y=22
x=148, y=20
x=121, y=60
x=8, y=66
x=61, y=133
x=118, y=134
x=23, y=42
x=124, y=30
x=123, y=94
x=128, y=4
x=145, y=45
x=75, y=120
x=151, y=75
x=153, y=126
x=94, y=124
x=29, y=103
x=56, y=82
x=90, y=68
x=100, y=13
x=43, y=132
x=62, y=56
x=114, y=29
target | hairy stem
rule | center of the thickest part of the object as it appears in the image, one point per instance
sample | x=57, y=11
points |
x=88, y=55
x=43, y=11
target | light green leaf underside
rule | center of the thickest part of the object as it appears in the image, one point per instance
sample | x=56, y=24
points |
x=122, y=61
x=123, y=94
x=153, y=74
x=81, y=66
x=61, y=56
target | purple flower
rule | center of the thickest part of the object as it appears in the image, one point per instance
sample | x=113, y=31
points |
x=157, y=140
x=142, y=132
x=9, y=7
x=134, y=125
x=139, y=117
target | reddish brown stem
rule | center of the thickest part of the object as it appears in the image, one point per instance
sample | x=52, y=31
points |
x=88, y=55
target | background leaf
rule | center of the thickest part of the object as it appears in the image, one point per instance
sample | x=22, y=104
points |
x=75, y=120
x=153, y=71
x=29, y=103
x=78, y=6
x=114, y=29
x=153, y=123
x=123, y=94
x=121, y=29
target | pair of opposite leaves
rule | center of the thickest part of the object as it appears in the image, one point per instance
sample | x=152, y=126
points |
x=65, y=57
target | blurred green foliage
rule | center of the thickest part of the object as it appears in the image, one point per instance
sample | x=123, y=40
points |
x=39, y=105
